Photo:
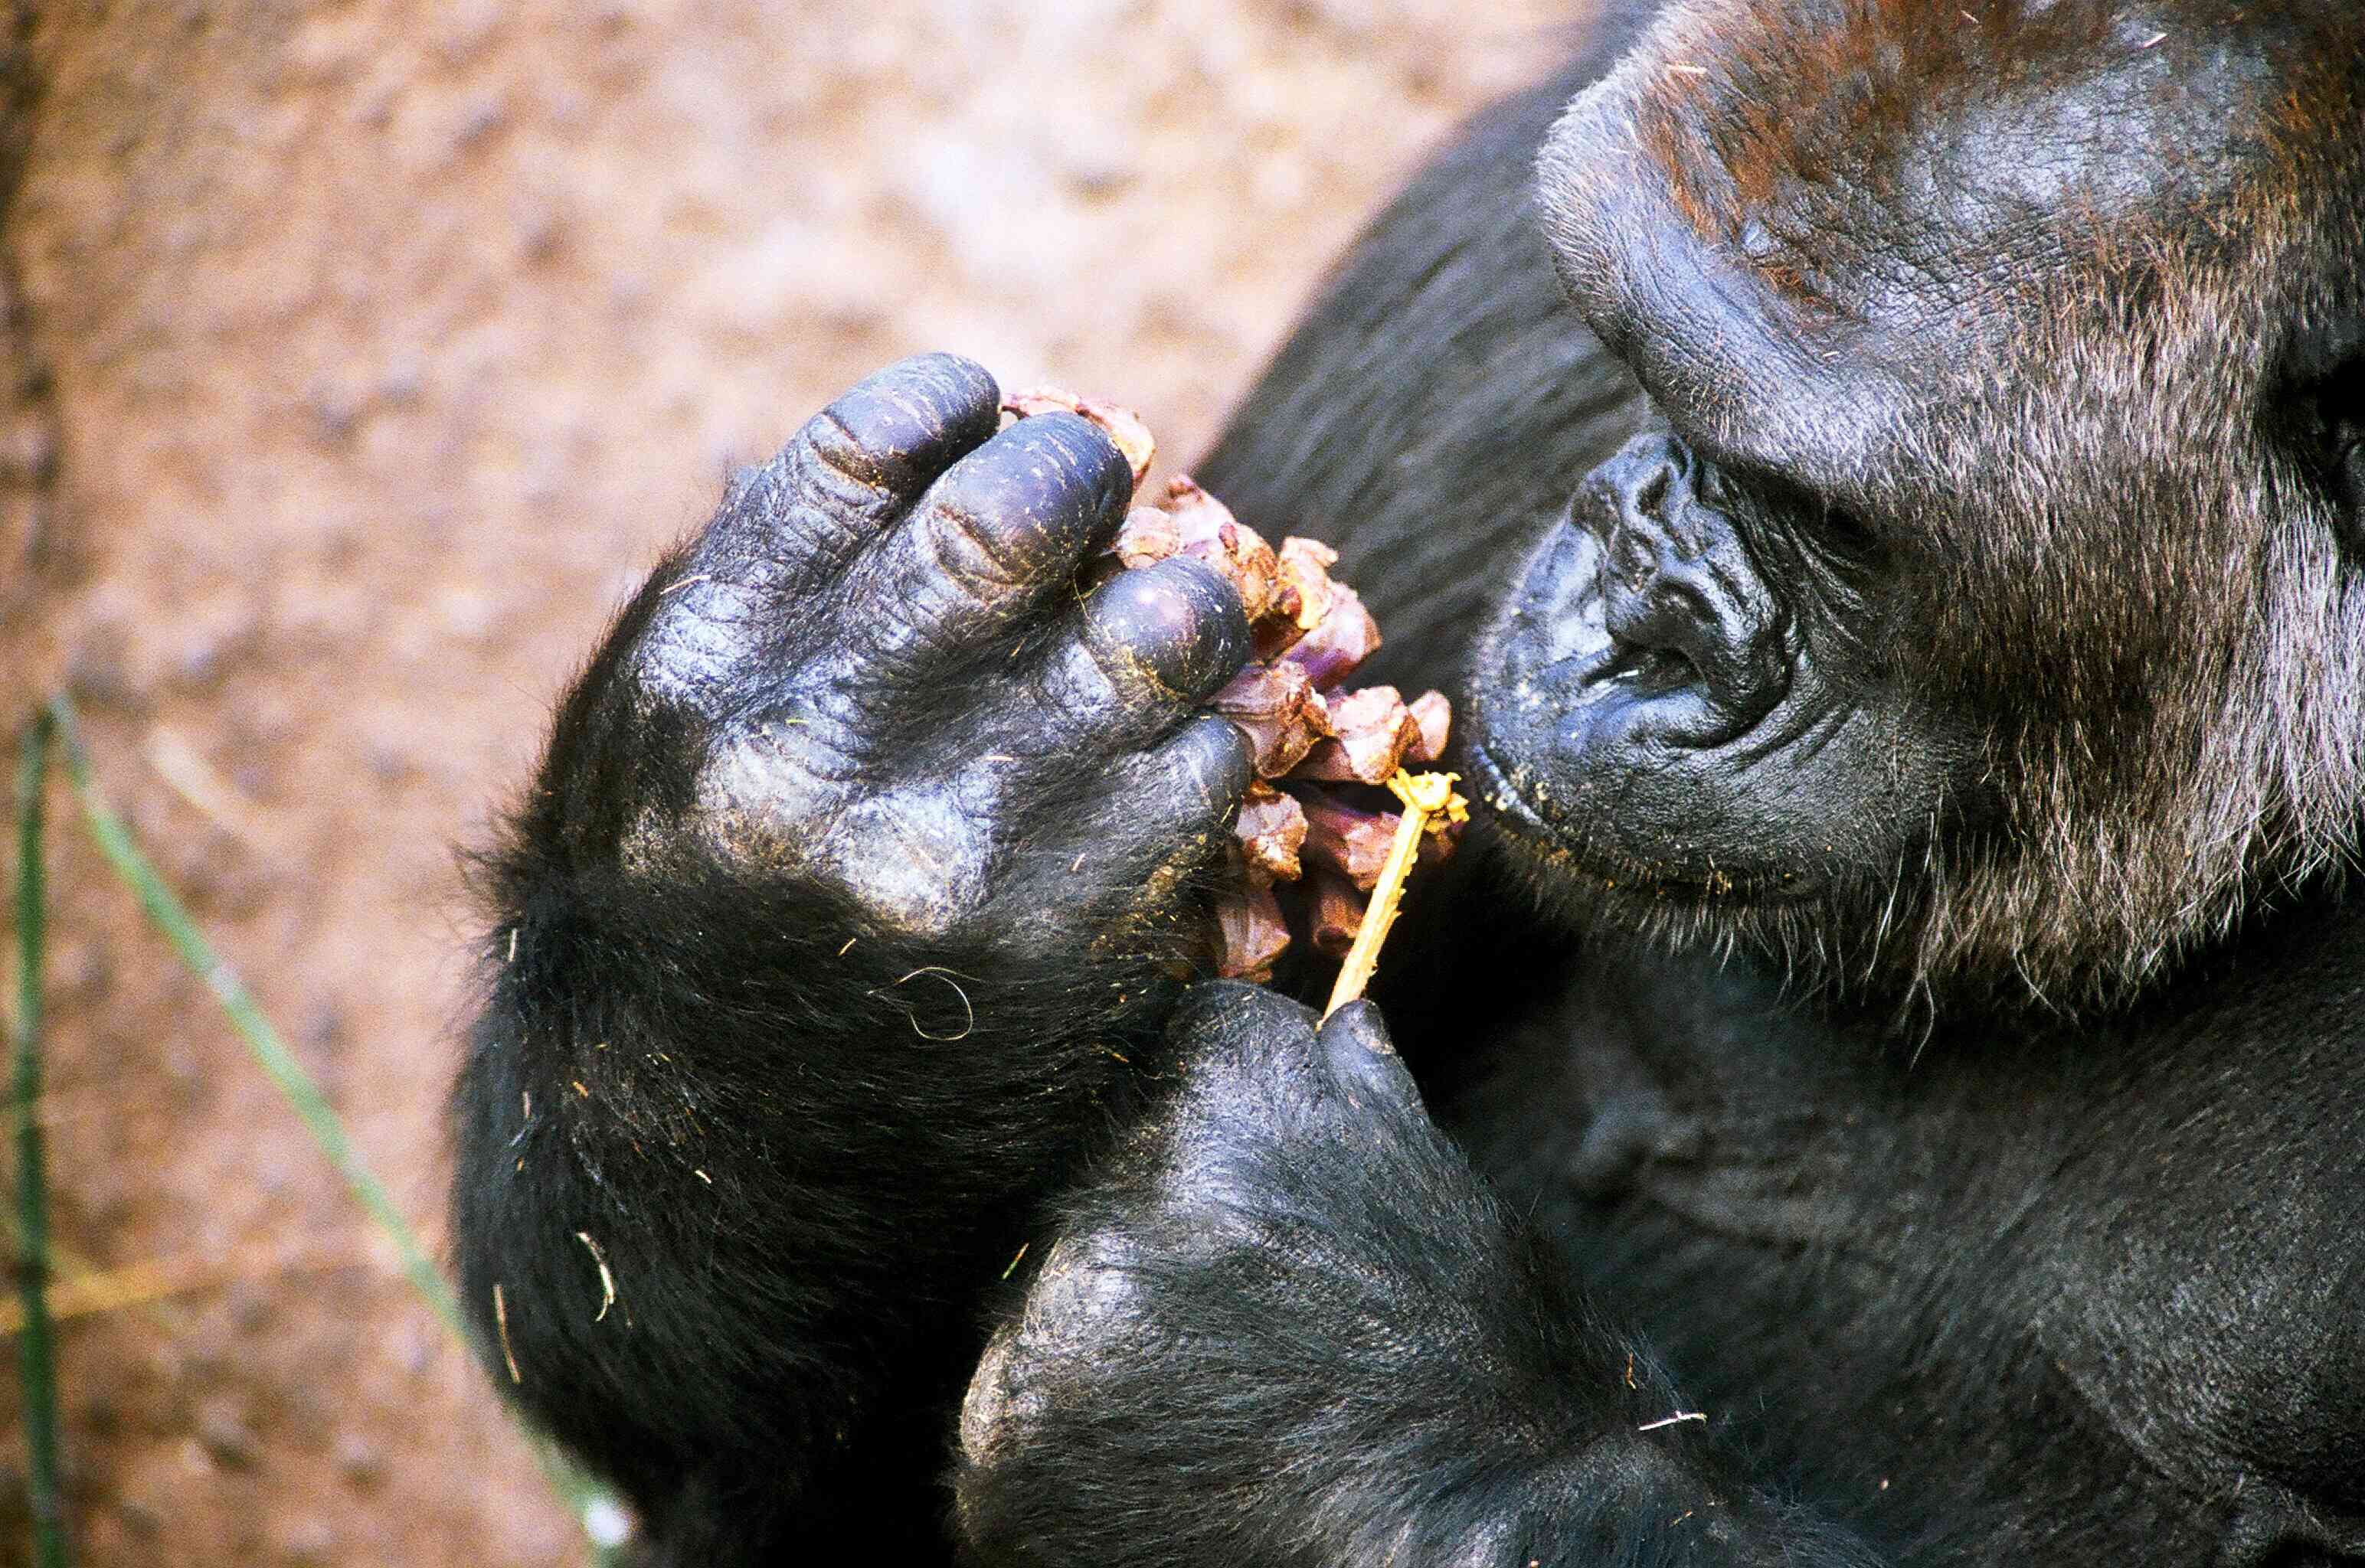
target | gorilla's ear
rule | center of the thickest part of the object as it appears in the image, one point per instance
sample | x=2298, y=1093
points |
x=2325, y=377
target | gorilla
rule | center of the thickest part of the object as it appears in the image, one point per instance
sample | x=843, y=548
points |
x=1891, y=478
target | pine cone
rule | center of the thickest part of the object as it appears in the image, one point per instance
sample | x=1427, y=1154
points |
x=1319, y=749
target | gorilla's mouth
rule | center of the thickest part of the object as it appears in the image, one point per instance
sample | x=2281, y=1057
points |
x=1647, y=717
x=1583, y=849
x=1519, y=825
x=1520, y=830
x=1495, y=788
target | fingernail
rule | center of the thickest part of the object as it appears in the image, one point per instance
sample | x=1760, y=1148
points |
x=1360, y=1021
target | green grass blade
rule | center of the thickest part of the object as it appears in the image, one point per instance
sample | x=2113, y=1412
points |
x=36, y=1349
x=590, y=1502
x=166, y=911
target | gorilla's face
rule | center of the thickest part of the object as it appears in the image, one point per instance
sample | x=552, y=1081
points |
x=1962, y=613
x=1678, y=698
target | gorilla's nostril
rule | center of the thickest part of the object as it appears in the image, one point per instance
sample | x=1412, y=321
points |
x=1632, y=560
x=1643, y=476
x=1652, y=494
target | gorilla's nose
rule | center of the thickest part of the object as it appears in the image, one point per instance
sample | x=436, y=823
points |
x=1681, y=597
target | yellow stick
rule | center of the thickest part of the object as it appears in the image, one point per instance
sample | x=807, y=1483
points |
x=1425, y=796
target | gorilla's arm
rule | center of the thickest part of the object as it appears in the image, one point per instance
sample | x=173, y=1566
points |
x=859, y=861
x=791, y=1158
x=1286, y=1325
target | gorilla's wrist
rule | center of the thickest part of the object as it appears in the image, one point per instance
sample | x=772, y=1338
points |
x=1659, y=1495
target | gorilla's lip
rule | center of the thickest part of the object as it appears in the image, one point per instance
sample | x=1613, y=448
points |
x=1497, y=788
x=1519, y=821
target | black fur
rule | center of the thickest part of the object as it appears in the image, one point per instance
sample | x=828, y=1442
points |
x=789, y=1129
x=1288, y=1287
x=1999, y=1203
x=2067, y=397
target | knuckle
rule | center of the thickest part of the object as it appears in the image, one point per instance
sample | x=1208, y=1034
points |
x=1212, y=640
x=882, y=428
x=1087, y=1281
x=1084, y=689
x=769, y=791
x=1087, y=1290
x=920, y=622
x=1234, y=1014
x=797, y=516
x=1093, y=453
x=829, y=459
x=799, y=793
x=953, y=385
x=1121, y=675
x=982, y=554
x=709, y=645
x=1213, y=1185
x=1182, y=627
x=915, y=865
x=1120, y=690
x=1056, y=467
x=1148, y=608
x=997, y=1409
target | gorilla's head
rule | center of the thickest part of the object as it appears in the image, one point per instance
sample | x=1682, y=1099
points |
x=1984, y=609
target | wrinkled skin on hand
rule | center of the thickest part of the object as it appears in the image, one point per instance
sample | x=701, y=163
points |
x=888, y=685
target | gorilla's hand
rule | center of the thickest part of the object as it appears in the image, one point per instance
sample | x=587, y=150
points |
x=861, y=859
x=872, y=673
x=1287, y=1324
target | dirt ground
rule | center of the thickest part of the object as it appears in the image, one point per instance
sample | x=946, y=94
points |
x=354, y=359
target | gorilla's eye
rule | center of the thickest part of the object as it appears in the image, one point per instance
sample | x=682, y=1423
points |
x=2346, y=475
x=1786, y=504
x=1828, y=530
x=1848, y=532
x=2327, y=412
x=1739, y=489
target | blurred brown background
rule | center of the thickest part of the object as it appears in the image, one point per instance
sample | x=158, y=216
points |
x=356, y=358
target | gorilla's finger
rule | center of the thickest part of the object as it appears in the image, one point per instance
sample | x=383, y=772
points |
x=991, y=540
x=1149, y=830
x=1144, y=648
x=1191, y=787
x=1219, y=1015
x=847, y=474
x=1170, y=808
x=1362, y=1057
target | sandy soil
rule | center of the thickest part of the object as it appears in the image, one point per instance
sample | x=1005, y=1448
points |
x=353, y=360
